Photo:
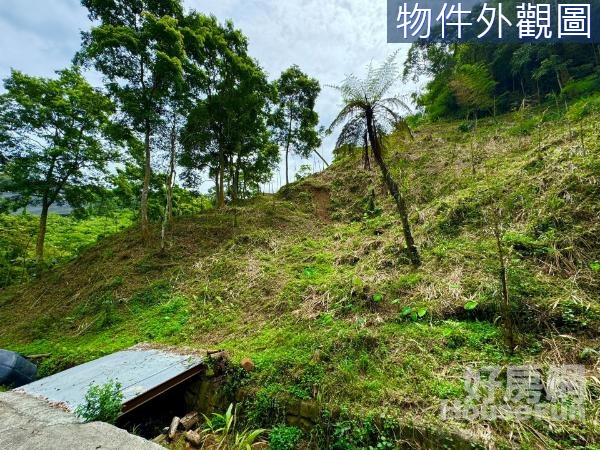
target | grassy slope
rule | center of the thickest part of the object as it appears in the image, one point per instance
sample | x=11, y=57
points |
x=297, y=291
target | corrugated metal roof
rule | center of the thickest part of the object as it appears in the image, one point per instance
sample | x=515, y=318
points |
x=143, y=373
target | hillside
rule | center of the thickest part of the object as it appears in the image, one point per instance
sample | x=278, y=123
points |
x=318, y=292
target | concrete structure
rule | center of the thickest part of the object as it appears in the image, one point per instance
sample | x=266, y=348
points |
x=39, y=415
x=144, y=373
x=28, y=423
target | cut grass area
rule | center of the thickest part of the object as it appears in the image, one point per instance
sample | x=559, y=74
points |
x=331, y=311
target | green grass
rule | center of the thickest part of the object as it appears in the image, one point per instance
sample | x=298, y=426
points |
x=66, y=238
x=325, y=308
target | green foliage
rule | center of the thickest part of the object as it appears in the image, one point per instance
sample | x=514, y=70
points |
x=414, y=313
x=226, y=132
x=368, y=110
x=473, y=87
x=576, y=89
x=297, y=298
x=223, y=427
x=140, y=50
x=377, y=297
x=157, y=293
x=584, y=107
x=477, y=76
x=265, y=410
x=409, y=281
x=577, y=315
x=102, y=403
x=284, y=438
x=471, y=305
x=56, y=139
x=350, y=433
x=295, y=120
x=304, y=171
x=67, y=237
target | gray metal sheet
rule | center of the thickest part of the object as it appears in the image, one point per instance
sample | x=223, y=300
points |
x=138, y=371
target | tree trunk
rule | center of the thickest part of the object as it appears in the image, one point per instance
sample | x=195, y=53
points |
x=287, y=150
x=506, y=307
x=39, y=249
x=221, y=191
x=560, y=85
x=217, y=185
x=146, y=186
x=287, y=170
x=321, y=157
x=366, y=159
x=170, y=182
x=171, y=179
x=413, y=253
x=235, y=188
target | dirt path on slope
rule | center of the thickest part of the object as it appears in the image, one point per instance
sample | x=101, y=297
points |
x=322, y=202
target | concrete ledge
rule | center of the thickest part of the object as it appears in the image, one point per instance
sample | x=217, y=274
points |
x=28, y=423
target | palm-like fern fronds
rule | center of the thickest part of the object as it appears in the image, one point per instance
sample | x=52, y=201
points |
x=369, y=93
x=352, y=133
x=367, y=115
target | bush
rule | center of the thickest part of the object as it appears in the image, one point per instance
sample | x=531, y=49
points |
x=284, y=438
x=265, y=410
x=581, y=88
x=584, y=107
x=102, y=403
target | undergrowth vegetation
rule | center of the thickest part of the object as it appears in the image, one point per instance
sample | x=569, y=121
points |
x=331, y=311
x=67, y=237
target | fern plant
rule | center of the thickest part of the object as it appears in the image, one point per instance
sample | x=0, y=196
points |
x=369, y=112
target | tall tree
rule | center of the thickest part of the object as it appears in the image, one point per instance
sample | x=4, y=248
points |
x=295, y=119
x=54, y=136
x=366, y=98
x=473, y=87
x=226, y=130
x=138, y=47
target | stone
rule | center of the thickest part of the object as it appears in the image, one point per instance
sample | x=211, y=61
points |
x=248, y=365
x=173, y=428
x=193, y=438
x=310, y=410
x=189, y=420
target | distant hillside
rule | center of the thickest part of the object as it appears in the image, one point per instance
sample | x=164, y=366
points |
x=313, y=284
x=37, y=210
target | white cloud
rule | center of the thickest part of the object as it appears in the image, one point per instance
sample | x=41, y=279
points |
x=39, y=37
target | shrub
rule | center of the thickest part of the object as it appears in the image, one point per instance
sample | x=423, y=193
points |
x=581, y=88
x=265, y=410
x=284, y=438
x=102, y=403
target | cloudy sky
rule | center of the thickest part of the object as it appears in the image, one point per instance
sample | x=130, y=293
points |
x=326, y=38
